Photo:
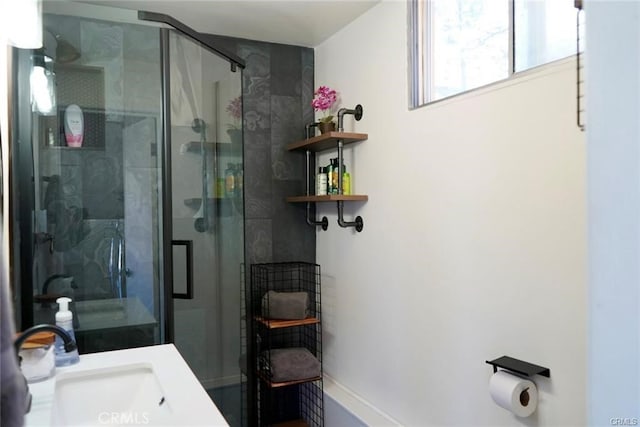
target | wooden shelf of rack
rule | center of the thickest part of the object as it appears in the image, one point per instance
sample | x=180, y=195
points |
x=277, y=323
x=329, y=198
x=264, y=378
x=327, y=141
x=292, y=423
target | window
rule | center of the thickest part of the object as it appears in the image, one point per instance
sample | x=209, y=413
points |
x=459, y=45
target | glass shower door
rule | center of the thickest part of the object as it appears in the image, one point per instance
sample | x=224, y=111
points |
x=96, y=202
x=99, y=219
x=207, y=217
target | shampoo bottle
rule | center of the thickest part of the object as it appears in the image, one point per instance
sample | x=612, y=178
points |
x=329, y=171
x=239, y=179
x=334, y=176
x=346, y=181
x=321, y=182
x=230, y=180
x=64, y=319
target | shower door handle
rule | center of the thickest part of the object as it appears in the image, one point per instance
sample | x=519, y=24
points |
x=188, y=250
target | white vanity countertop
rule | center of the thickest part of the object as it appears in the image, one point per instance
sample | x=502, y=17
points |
x=190, y=403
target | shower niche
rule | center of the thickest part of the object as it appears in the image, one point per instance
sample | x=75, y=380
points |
x=83, y=86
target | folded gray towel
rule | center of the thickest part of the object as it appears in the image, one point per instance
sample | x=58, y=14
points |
x=285, y=305
x=290, y=364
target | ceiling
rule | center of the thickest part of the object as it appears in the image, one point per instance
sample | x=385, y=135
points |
x=297, y=22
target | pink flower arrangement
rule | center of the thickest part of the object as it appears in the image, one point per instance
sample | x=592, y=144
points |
x=235, y=110
x=324, y=99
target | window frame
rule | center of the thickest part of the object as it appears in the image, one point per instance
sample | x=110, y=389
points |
x=419, y=51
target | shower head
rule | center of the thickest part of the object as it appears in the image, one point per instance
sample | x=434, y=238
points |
x=65, y=52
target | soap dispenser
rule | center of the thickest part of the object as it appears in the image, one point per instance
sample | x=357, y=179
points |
x=64, y=319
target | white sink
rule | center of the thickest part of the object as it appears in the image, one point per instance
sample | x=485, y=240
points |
x=124, y=387
x=126, y=394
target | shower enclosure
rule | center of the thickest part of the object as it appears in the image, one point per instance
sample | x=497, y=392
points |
x=142, y=224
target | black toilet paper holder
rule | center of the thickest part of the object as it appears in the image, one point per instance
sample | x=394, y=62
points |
x=519, y=366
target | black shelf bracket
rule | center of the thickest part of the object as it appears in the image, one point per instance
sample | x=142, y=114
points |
x=358, y=223
x=519, y=367
x=324, y=222
x=307, y=129
x=357, y=113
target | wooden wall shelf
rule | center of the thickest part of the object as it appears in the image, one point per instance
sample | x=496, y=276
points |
x=329, y=198
x=327, y=141
x=330, y=141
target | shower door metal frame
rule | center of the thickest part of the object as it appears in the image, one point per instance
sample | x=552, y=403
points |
x=187, y=31
x=167, y=202
x=167, y=222
x=21, y=204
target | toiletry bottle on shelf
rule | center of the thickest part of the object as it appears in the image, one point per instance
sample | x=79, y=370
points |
x=230, y=180
x=64, y=319
x=74, y=126
x=239, y=179
x=321, y=182
x=334, y=176
x=220, y=188
x=329, y=171
x=346, y=181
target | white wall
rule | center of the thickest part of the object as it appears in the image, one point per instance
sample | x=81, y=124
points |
x=613, y=132
x=474, y=241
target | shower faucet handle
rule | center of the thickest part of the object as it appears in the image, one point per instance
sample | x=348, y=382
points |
x=198, y=125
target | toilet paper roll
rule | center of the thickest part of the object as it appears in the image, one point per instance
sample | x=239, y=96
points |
x=513, y=393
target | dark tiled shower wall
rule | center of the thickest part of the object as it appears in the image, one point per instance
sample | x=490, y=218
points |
x=278, y=88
